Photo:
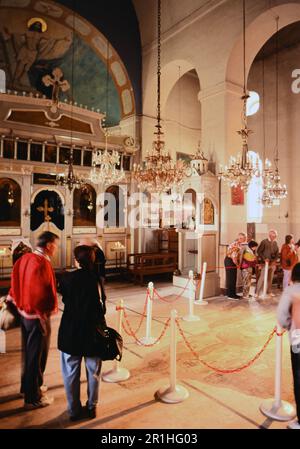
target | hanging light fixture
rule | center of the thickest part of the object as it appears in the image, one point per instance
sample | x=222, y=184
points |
x=241, y=169
x=267, y=172
x=10, y=196
x=277, y=190
x=160, y=173
x=71, y=180
x=105, y=162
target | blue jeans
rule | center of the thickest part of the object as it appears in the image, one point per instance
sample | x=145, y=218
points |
x=71, y=367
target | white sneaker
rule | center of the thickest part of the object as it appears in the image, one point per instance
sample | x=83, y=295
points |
x=44, y=388
x=43, y=402
x=293, y=424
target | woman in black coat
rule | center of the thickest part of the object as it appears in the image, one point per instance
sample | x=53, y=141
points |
x=83, y=312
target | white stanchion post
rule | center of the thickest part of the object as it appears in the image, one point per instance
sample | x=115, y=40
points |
x=117, y=373
x=275, y=408
x=191, y=316
x=173, y=393
x=264, y=295
x=200, y=301
x=148, y=339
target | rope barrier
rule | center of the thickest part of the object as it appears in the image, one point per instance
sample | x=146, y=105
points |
x=132, y=333
x=176, y=298
x=230, y=370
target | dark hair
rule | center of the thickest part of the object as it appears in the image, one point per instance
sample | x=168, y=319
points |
x=298, y=243
x=296, y=273
x=46, y=237
x=288, y=239
x=85, y=256
x=252, y=244
x=19, y=251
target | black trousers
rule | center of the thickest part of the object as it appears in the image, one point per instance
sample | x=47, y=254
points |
x=231, y=275
x=296, y=375
x=35, y=349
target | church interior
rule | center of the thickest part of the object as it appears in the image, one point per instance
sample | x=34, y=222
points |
x=161, y=130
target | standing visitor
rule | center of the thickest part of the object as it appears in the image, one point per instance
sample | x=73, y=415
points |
x=288, y=259
x=99, y=264
x=267, y=251
x=288, y=315
x=83, y=312
x=33, y=291
x=248, y=264
x=297, y=248
x=231, y=262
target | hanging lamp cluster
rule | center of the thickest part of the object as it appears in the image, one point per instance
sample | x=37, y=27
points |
x=241, y=168
x=273, y=190
x=160, y=172
x=277, y=191
x=105, y=163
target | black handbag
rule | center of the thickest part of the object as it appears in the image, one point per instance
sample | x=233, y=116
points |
x=108, y=344
x=9, y=316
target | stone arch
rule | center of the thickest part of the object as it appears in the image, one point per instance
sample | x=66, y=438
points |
x=182, y=114
x=59, y=193
x=169, y=77
x=258, y=32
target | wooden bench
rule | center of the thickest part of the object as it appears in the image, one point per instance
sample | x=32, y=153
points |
x=143, y=264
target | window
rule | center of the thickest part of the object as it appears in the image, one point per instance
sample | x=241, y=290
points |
x=22, y=150
x=50, y=153
x=254, y=194
x=253, y=103
x=36, y=152
x=8, y=148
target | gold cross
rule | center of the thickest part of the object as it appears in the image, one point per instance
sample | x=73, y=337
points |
x=46, y=209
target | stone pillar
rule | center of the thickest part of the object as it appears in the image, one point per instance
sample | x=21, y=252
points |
x=221, y=107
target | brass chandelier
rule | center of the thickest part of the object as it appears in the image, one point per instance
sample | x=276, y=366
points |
x=71, y=181
x=242, y=168
x=160, y=172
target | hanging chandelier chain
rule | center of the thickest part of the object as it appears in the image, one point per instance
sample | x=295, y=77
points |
x=244, y=44
x=158, y=65
x=160, y=173
x=263, y=105
x=107, y=81
x=277, y=93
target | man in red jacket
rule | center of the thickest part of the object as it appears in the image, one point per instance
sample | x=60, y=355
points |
x=33, y=291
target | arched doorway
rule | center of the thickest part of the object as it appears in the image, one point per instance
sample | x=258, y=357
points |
x=10, y=203
x=84, y=206
x=114, y=206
